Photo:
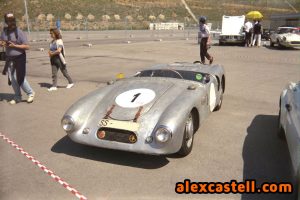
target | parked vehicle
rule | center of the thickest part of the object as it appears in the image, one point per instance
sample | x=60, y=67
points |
x=285, y=37
x=232, y=30
x=289, y=125
x=266, y=34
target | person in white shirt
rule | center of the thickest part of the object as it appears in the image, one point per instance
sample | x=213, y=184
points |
x=205, y=39
x=248, y=26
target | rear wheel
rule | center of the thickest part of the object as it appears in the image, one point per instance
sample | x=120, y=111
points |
x=188, y=137
x=271, y=43
x=280, y=45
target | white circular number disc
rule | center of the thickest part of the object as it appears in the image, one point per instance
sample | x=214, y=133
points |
x=135, y=98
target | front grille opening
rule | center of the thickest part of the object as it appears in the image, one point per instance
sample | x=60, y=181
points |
x=116, y=135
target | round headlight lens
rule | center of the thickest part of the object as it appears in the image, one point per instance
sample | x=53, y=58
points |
x=67, y=123
x=163, y=134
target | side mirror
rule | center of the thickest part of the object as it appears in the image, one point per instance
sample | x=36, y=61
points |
x=288, y=107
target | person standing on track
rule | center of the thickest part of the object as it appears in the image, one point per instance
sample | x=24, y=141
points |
x=57, y=59
x=204, y=40
x=16, y=44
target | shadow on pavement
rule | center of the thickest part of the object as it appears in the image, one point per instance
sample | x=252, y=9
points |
x=67, y=146
x=45, y=85
x=48, y=85
x=282, y=48
x=6, y=96
x=266, y=157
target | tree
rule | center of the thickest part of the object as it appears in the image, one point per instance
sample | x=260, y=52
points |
x=91, y=17
x=152, y=18
x=68, y=16
x=117, y=17
x=161, y=17
x=79, y=16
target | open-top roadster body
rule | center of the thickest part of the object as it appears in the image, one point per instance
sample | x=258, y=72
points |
x=156, y=111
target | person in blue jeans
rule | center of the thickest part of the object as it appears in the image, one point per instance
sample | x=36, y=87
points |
x=15, y=42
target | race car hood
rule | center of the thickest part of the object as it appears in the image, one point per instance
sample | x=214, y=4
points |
x=129, y=99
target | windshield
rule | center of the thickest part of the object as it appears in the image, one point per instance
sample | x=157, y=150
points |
x=180, y=74
x=287, y=30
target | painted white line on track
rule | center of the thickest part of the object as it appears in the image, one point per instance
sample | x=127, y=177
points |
x=44, y=168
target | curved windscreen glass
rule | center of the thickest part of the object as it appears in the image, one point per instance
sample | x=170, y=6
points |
x=180, y=74
x=287, y=30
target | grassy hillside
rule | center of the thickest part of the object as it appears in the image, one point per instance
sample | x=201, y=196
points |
x=140, y=10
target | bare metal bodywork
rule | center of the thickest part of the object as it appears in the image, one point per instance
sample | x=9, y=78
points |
x=289, y=125
x=175, y=99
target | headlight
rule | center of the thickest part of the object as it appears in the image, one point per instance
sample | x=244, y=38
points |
x=67, y=123
x=284, y=38
x=163, y=134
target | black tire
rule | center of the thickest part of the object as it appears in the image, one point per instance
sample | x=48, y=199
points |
x=279, y=45
x=188, y=137
x=271, y=44
x=281, y=132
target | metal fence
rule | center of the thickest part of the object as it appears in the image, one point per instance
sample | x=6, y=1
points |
x=127, y=30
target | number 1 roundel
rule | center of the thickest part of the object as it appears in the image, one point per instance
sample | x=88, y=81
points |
x=135, y=98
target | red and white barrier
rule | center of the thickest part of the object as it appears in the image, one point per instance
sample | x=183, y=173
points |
x=44, y=168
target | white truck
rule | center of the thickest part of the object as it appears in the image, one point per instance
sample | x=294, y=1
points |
x=232, y=30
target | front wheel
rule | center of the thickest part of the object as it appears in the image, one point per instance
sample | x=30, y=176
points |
x=280, y=46
x=188, y=137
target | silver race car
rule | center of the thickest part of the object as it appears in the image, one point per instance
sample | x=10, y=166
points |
x=156, y=111
x=289, y=125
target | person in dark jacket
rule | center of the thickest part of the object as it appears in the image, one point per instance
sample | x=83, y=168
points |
x=257, y=30
x=15, y=42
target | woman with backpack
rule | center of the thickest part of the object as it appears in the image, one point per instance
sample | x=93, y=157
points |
x=57, y=59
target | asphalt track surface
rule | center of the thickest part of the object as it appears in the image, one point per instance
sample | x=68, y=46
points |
x=236, y=143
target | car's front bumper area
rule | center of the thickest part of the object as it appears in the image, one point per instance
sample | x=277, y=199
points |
x=234, y=39
x=290, y=43
x=140, y=146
